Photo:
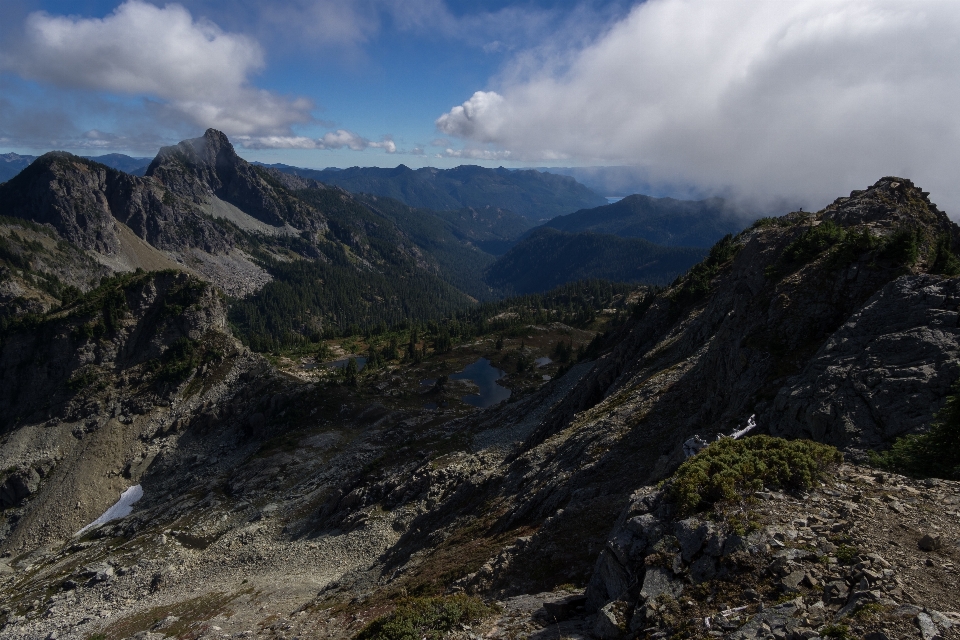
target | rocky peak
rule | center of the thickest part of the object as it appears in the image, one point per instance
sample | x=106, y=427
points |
x=202, y=159
x=890, y=202
x=206, y=168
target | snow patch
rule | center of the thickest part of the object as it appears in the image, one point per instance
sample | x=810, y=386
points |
x=120, y=509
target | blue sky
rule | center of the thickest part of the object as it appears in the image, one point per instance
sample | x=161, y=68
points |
x=382, y=71
x=761, y=100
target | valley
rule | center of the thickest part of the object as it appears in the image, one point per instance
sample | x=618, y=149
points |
x=199, y=332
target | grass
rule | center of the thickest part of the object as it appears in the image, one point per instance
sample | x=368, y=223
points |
x=728, y=469
x=188, y=611
x=426, y=618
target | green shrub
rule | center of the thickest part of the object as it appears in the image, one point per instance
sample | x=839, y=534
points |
x=425, y=618
x=847, y=554
x=944, y=261
x=902, y=247
x=813, y=242
x=935, y=453
x=728, y=468
x=696, y=283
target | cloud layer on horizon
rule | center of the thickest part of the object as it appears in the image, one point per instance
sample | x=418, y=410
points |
x=804, y=100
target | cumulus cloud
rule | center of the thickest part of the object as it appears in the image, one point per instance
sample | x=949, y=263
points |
x=199, y=71
x=332, y=140
x=806, y=99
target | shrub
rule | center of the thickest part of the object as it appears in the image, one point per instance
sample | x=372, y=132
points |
x=729, y=468
x=696, y=283
x=934, y=453
x=813, y=242
x=944, y=261
x=425, y=618
x=902, y=247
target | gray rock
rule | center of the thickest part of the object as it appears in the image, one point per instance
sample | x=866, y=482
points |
x=883, y=374
x=691, y=534
x=929, y=543
x=703, y=568
x=657, y=581
x=610, y=580
x=928, y=629
x=610, y=623
x=792, y=581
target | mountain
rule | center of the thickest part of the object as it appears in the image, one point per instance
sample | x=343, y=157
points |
x=665, y=221
x=268, y=499
x=258, y=232
x=12, y=163
x=120, y=162
x=531, y=194
x=548, y=258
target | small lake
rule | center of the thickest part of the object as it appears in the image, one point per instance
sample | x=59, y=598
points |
x=542, y=362
x=612, y=199
x=340, y=364
x=485, y=376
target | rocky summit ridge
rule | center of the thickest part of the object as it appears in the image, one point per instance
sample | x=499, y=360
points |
x=276, y=507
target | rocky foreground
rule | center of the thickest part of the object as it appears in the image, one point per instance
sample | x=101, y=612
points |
x=865, y=555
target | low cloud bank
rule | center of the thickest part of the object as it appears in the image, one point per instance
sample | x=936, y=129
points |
x=803, y=100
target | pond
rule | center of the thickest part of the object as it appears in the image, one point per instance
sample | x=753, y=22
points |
x=340, y=364
x=485, y=376
x=542, y=362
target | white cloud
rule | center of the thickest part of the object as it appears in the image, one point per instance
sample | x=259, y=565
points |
x=805, y=99
x=197, y=69
x=472, y=153
x=332, y=140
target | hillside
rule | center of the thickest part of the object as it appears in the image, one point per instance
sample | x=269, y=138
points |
x=546, y=259
x=664, y=221
x=281, y=498
x=531, y=194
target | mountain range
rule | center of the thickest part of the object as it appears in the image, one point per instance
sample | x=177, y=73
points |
x=708, y=459
x=12, y=163
x=532, y=194
x=267, y=237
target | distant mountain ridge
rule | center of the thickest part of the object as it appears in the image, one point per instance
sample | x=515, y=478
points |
x=548, y=258
x=664, y=221
x=529, y=193
x=13, y=163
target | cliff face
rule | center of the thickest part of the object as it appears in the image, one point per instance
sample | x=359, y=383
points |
x=83, y=200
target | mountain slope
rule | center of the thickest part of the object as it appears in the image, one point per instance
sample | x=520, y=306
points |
x=665, y=221
x=273, y=505
x=531, y=194
x=547, y=258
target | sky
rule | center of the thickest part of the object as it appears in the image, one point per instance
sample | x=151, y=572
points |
x=762, y=100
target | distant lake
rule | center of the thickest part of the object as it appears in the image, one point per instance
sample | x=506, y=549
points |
x=340, y=364
x=612, y=199
x=485, y=376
